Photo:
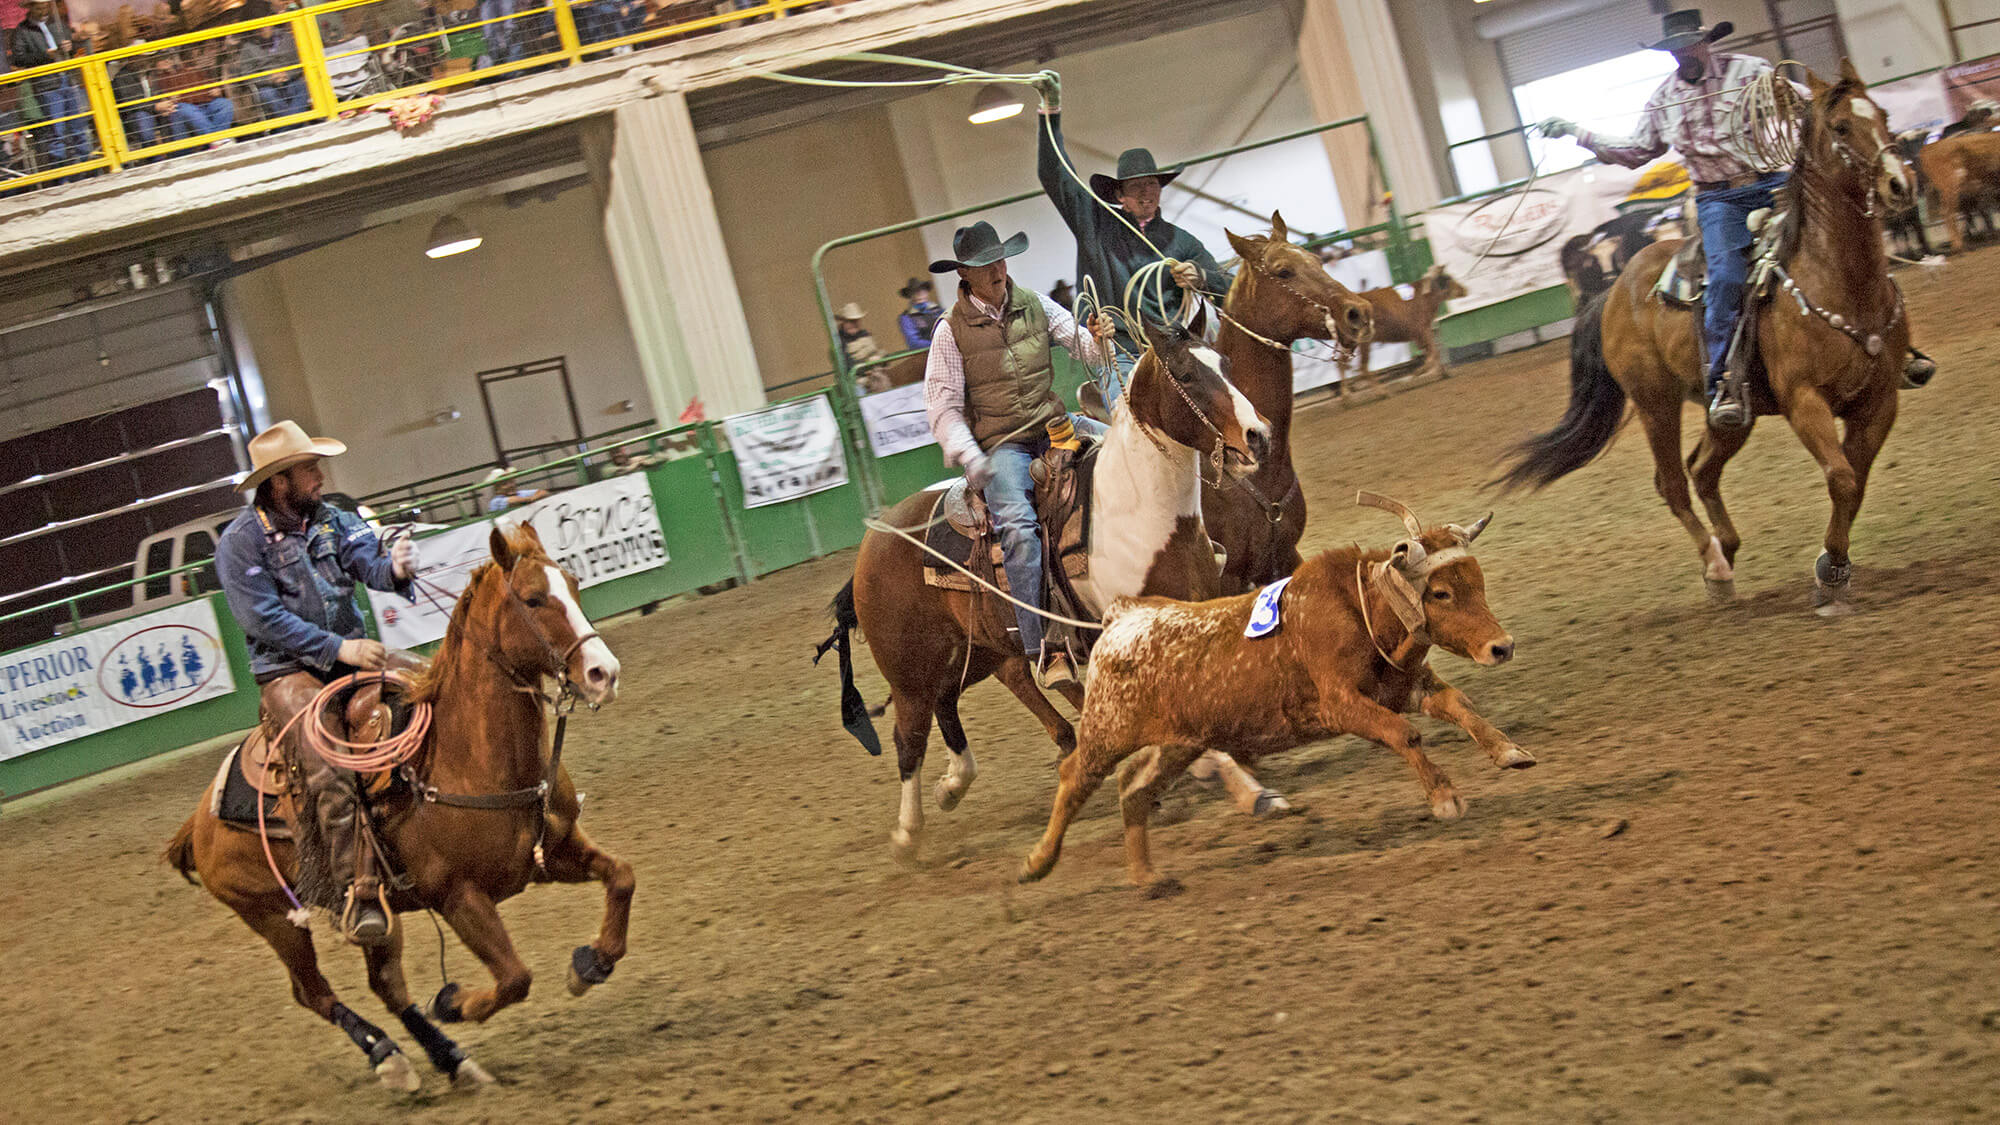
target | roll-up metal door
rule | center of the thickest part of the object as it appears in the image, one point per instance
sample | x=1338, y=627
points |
x=1579, y=40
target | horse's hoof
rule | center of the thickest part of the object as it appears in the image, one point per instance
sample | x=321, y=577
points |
x=1032, y=872
x=1447, y=806
x=444, y=1006
x=1720, y=589
x=586, y=971
x=1832, y=607
x=1160, y=886
x=396, y=1073
x=947, y=797
x=470, y=1076
x=904, y=845
x=1512, y=757
x=1270, y=802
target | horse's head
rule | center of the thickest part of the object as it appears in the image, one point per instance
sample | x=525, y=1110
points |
x=1283, y=291
x=538, y=624
x=1847, y=132
x=1181, y=389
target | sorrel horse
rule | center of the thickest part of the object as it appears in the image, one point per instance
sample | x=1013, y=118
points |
x=1146, y=536
x=482, y=818
x=1281, y=295
x=1832, y=341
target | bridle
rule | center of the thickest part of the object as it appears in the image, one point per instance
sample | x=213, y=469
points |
x=1274, y=512
x=1342, y=351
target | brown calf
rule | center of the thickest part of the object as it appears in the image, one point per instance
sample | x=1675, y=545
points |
x=1409, y=320
x=1962, y=169
x=1347, y=658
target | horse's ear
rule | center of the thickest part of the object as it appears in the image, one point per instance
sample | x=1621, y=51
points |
x=1245, y=249
x=1157, y=337
x=1814, y=84
x=1848, y=73
x=1198, y=327
x=1278, y=231
x=503, y=551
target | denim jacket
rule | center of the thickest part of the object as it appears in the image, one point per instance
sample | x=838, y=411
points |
x=293, y=591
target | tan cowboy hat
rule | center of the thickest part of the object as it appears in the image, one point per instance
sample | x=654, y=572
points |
x=281, y=447
x=849, y=311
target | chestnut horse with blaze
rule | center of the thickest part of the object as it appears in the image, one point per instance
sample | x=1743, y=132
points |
x=1832, y=342
x=492, y=810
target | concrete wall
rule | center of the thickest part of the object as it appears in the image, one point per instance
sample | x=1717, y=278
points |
x=1894, y=37
x=368, y=339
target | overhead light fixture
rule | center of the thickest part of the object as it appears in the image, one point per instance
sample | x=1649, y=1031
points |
x=994, y=103
x=451, y=236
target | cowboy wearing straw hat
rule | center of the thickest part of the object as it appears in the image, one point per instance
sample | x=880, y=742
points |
x=989, y=392
x=289, y=565
x=1693, y=113
x=1108, y=252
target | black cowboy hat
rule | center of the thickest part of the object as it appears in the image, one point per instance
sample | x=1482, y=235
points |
x=1132, y=164
x=910, y=290
x=979, y=245
x=1683, y=29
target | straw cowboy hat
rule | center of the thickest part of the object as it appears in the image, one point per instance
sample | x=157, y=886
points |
x=281, y=447
x=1683, y=29
x=849, y=311
x=1132, y=164
x=979, y=245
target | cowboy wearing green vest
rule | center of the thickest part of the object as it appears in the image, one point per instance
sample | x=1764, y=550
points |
x=1108, y=249
x=989, y=393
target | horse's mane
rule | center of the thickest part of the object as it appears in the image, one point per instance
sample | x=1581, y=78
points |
x=1792, y=195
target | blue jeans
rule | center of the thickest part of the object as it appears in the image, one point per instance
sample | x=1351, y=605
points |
x=500, y=46
x=1010, y=496
x=69, y=141
x=1725, y=238
x=284, y=99
x=191, y=120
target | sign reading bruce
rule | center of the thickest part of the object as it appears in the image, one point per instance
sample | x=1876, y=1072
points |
x=597, y=532
x=105, y=678
x=897, y=420
x=785, y=452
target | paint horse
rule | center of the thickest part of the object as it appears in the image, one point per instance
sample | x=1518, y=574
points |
x=1832, y=342
x=1146, y=536
x=488, y=810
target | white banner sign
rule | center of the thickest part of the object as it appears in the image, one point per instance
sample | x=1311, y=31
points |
x=897, y=420
x=785, y=452
x=95, y=681
x=597, y=532
x=1915, y=103
x=1506, y=245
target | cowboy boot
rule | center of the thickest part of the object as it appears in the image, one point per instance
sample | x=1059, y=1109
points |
x=362, y=919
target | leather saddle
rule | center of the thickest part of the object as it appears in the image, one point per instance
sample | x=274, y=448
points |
x=1685, y=279
x=255, y=769
x=962, y=530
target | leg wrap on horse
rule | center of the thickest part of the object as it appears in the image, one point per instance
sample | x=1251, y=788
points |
x=444, y=1054
x=366, y=1036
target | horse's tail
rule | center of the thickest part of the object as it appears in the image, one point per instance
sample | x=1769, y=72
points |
x=1596, y=409
x=180, y=852
x=853, y=710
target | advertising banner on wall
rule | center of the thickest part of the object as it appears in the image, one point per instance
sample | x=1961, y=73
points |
x=897, y=420
x=785, y=452
x=1915, y=103
x=96, y=681
x=1506, y=245
x=598, y=532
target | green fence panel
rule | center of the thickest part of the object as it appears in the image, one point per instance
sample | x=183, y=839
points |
x=776, y=536
x=147, y=737
x=1504, y=318
x=911, y=471
x=698, y=547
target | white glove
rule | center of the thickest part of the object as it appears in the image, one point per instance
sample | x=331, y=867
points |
x=1187, y=275
x=979, y=471
x=403, y=558
x=363, y=653
x=1557, y=127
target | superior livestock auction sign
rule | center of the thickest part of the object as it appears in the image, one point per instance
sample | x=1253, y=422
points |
x=103, y=679
x=597, y=532
x=785, y=452
x=1506, y=245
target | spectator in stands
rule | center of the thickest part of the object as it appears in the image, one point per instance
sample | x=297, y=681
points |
x=630, y=459
x=855, y=341
x=1979, y=117
x=920, y=316
x=1063, y=294
x=500, y=34
x=268, y=60
x=133, y=88
x=40, y=39
x=200, y=107
x=512, y=494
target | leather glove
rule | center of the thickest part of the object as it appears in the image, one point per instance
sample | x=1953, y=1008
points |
x=363, y=653
x=403, y=557
x=979, y=471
x=1187, y=275
x=1557, y=127
x=1049, y=86
x=1101, y=326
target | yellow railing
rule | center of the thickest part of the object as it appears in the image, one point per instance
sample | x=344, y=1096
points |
x=104, y=111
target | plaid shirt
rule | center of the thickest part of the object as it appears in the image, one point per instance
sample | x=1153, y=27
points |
x=944, y=375
x=1692, y=118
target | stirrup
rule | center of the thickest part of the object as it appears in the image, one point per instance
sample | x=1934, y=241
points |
x=1727, y=412
x=358, y=918
x=1046, y=673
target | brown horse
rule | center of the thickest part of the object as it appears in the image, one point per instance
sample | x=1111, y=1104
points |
x=490, y=819
x=1282, y=294
x=1832, y=340
x=1146, y=537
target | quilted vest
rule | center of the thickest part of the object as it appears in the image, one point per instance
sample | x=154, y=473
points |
x=1009, y=375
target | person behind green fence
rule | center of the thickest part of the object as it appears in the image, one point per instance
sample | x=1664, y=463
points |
x=1108, y=250
x=289, y=565
x=989, y=394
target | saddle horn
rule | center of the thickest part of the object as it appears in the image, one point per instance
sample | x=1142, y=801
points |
x=1393, y=507
x=1465, y=535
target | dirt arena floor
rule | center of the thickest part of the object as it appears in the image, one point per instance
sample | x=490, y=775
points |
x=1753, y=877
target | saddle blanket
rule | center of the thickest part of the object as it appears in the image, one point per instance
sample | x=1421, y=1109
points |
x=233, y=799
x=953, y=534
